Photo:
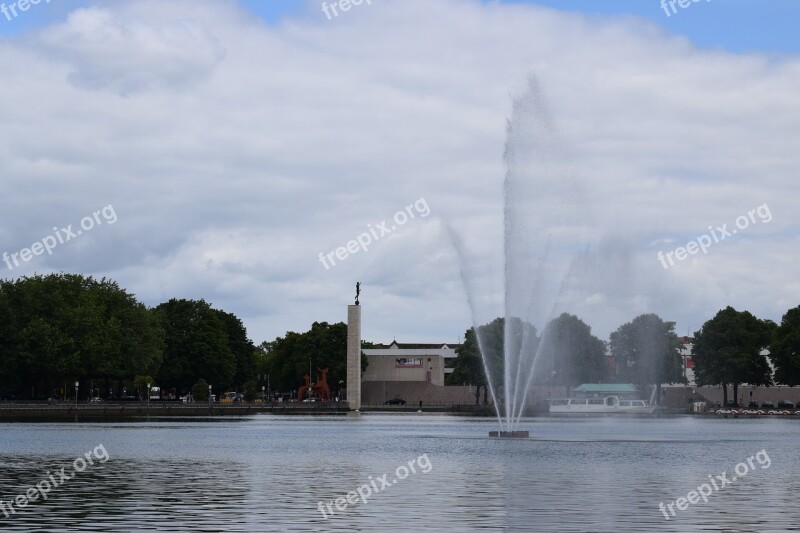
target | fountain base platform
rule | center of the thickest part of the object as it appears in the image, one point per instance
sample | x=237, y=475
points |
x=509, y=434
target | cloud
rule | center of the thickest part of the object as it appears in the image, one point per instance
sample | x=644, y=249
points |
x=116, y=51
x=234, y=152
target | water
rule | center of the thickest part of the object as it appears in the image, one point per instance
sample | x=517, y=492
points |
x=268, y=473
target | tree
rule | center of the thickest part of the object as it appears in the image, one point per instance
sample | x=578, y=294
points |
x=251, y=391
x=196, y=344
x=785, y=349
x=490, y=339
x=140, y=383
x=727, y=351
x=468, y=367
x=648, y=352
x=323, y=346
x=242, y=348
x=64, y=326
x=200, y=391
x=570, y=355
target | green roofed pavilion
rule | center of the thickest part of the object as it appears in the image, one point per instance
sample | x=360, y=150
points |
x=625, y=391
x=606, y=388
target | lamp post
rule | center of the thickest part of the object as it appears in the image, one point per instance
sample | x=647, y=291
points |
x=262, y=393
x=148, y=395
x=209, y=396
x=77, y=383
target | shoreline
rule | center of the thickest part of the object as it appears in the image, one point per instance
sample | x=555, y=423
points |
x=44, y=412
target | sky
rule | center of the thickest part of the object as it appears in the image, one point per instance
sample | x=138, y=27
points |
x=229, y=150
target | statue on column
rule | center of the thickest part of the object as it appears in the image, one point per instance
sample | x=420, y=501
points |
x=358, y=291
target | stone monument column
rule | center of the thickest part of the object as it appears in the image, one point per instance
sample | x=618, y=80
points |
x=354, y=353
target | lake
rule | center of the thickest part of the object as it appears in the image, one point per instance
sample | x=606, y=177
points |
x=423, y=473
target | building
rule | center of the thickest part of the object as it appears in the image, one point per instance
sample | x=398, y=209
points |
x=423, y=363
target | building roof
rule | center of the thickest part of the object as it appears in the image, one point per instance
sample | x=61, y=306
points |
x=607, y=388
x=416, y=346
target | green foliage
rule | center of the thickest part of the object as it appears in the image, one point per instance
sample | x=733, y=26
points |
x=63, y=326
x=242, y=348
x=325, y=345
x=727, y=350
x=785, y=349
x=570, y=355
x=196, y=343
x=140, y=384
x=468, y=367
x=647, y=351
x=251, y=391
x=200, y=391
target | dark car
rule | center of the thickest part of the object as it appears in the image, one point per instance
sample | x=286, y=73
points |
x=767, y=405
x=752, y=405
x=396, y=401
x=785, y=404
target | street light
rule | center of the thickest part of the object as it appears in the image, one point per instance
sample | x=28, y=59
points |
x=262, y=393
x=148, y=395
x=76, y=393
x=209, y=396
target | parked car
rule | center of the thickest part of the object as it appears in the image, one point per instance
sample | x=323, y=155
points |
x=785, y=404
x=767, y=405
x=96, y=399
x=752, y=405
x=396, y=401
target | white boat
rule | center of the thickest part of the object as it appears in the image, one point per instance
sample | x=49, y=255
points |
x=599, y=406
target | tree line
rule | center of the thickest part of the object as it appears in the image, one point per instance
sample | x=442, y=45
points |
x=646, y=352
x=736, y=347
x=732, y=348
x=60, y=328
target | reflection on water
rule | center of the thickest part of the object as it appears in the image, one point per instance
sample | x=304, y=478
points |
x=269, y=473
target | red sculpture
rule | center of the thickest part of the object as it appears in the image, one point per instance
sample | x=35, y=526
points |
x=319, y=390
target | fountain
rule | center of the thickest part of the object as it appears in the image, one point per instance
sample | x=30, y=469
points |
x=545, y=221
